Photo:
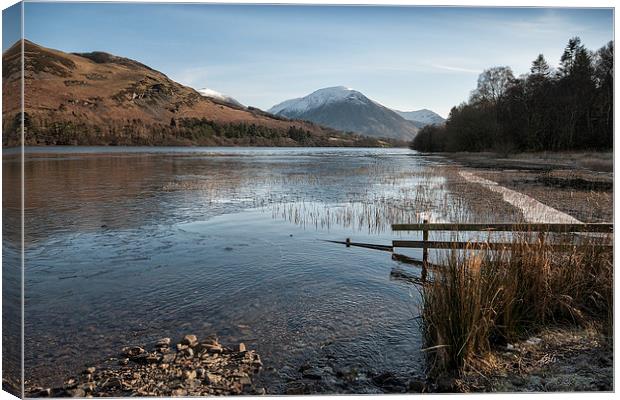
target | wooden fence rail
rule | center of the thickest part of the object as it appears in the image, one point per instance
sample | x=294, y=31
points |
x=426, y=244
x=556, y=228
x=480, y=245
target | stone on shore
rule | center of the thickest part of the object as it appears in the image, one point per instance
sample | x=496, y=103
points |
x=190, y=340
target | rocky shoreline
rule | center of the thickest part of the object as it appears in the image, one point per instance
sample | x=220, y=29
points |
x=191, y=368
x=557, y=360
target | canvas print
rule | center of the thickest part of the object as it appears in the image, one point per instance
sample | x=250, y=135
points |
x=258, y=199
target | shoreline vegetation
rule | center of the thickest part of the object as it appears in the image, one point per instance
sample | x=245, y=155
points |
x=184, y=132
x=481, y=305
x=534, y=319
x=570, y=108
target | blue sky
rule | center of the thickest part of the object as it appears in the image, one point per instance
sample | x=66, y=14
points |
x=11, y=25
x=403, y=57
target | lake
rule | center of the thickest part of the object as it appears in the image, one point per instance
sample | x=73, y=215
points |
x=128, y=245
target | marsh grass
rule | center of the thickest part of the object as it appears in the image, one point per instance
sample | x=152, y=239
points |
x=368, y=198
x=438, y=194
x=484, y=298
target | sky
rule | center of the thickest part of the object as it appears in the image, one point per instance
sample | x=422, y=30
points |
x=405, y=58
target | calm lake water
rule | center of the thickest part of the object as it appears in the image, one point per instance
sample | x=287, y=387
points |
x=128, y=245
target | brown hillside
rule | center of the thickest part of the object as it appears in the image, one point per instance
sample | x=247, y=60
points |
x=99, y=98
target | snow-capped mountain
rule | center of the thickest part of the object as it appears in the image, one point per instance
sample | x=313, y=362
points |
x=346, y=109
x=212, y=94
x=318, y=98
x=422, y=117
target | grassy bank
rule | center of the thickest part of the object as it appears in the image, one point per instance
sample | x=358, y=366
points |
x=481, y=301
x=599, y=161
x=577, y=183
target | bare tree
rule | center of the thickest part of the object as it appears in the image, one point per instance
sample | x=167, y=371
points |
x=493, y=84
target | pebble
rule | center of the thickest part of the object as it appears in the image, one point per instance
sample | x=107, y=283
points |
x=168, y=358
x=153, y=358
x=132, y=351
x=113, y=382
x=76, y=393
x=40, y=392
x=88, y=387
x=213, y=378
x=189, y=375
x=190, y=340
x=70, y=383
x=533, y=340
x=212, y=340
x=512, y=348
x=214, y=349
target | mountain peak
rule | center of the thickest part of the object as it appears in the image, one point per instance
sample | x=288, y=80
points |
x=333, y=89
x=343, y=108
x=318, y=98
x=422, y=117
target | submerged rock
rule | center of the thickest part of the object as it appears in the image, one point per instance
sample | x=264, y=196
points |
x=165, y=342
x=313, y=372
x=390, y=383
x=132, y=351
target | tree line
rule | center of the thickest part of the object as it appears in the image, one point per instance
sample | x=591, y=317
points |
x=567, y=108
x=48, y=130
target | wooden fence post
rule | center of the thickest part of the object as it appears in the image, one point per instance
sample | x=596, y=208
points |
x=425, y=251
x=541, y=238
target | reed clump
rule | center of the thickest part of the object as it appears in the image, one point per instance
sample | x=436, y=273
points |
x=482, y=298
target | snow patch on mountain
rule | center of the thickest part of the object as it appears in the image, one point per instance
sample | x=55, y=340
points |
x=423, y=117
x=213, y=94
x=317, y=99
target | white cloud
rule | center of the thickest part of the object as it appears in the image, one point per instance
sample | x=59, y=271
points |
x=456, y=69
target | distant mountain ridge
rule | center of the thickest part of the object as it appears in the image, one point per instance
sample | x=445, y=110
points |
x=422, y=117
x=346, y=109
x=101, y=99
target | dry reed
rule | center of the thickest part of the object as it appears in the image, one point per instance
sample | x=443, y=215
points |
x=482, y=298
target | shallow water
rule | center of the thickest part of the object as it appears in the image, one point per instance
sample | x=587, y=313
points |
x=128, y=245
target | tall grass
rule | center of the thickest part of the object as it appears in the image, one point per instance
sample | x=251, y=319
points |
x=481, y=298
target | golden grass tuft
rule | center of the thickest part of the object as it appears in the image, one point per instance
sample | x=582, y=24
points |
x=483, y=298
